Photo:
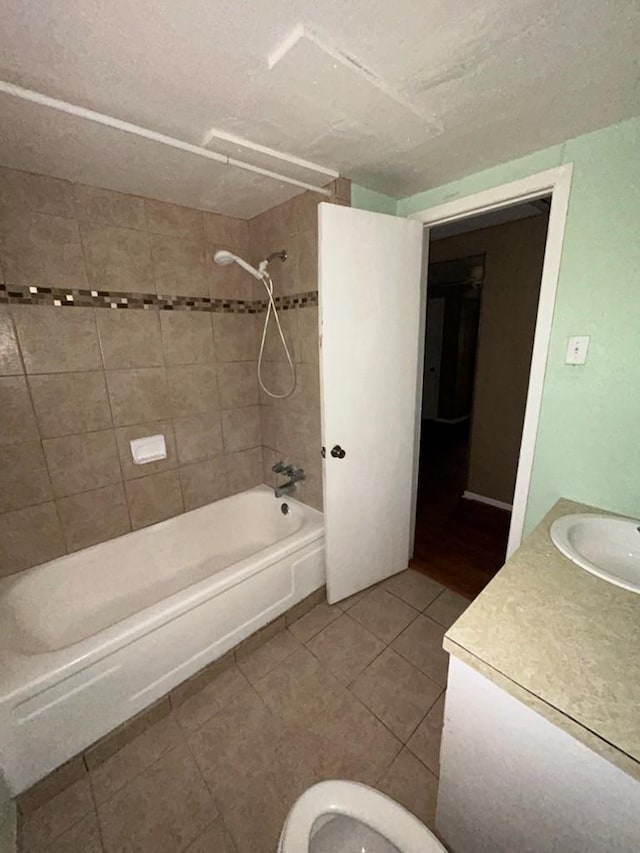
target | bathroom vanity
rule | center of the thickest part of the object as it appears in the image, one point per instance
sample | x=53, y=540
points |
x=541, y=742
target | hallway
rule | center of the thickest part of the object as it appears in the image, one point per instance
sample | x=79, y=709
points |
x=459, y=543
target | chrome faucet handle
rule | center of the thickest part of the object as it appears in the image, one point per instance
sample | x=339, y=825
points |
x=279, y=467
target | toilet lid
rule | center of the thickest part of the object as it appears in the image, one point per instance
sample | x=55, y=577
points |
x=338, y=812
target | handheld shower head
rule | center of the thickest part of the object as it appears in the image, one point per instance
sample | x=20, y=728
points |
x=224, y=258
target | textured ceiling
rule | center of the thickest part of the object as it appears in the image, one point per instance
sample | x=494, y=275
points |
x=398, y=96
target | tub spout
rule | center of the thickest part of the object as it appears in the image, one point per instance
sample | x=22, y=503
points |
x=295, y=476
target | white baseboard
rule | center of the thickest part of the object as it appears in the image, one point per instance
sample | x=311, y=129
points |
x=472, y=496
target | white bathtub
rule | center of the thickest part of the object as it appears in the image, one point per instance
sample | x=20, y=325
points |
x=90, y=639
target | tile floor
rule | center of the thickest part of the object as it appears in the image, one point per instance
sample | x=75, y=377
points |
x=352, y=691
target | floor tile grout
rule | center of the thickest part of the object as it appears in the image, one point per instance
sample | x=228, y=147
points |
x=186, y=738
x=238, y=664
x=431, y=707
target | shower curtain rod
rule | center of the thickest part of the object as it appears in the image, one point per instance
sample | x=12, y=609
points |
x=145, y=133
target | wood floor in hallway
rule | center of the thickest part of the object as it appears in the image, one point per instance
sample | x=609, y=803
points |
x=459, y=543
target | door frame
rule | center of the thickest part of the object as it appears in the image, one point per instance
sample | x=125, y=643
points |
x=555, y=182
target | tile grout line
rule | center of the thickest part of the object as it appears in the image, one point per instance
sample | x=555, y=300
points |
x=389, y=648
x=41, y=440
x=113, y=426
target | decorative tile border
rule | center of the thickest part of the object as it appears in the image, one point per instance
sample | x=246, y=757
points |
x=74, y=297
x=295, y=300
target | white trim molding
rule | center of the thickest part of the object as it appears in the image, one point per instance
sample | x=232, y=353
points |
x=556, y=183
x=482, y=499
x=170, y=141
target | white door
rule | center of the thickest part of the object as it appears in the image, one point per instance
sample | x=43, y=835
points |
x=369, y=269
x=432, y=356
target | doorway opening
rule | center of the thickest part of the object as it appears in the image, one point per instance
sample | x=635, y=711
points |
x=482, y=298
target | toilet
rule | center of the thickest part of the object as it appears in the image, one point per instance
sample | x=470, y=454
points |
x=347, y=817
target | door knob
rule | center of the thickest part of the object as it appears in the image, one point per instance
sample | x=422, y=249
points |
x=337, y=452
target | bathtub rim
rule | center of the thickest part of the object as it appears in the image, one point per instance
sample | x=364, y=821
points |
x=24, y=674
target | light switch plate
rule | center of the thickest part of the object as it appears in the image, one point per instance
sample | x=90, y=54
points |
x=577, y=348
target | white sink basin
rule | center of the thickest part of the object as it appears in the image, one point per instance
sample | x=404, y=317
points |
x=604, y=545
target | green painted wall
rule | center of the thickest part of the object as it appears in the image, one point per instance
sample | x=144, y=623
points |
x=365, y=199
x=588, y=443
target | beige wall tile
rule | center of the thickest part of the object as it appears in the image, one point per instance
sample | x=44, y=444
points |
x=277, y=377
x=241, y=428
x=235, y=337
x=106, y=207
x=307, y=251
x=226, y=231
x=270, y=422
x=78, y=463
x=284, y=274
x=179, y=266
x=244, y=469
x=269, y=458
x=203, y=482
x=306, y=395
x=17, y=419
x=94, y=516
x=193, y=389
x=310, y=490
x=187, y=336
x=228, y=282
x=23, y=475
x=237, y=384
x=139, y=395
x=126, y=434
x=308, y=349
x=198, y=437
x=306, y=211
x=29, y=536
x=117, y=258
x=10, y=362
x=273, y=349
x=130, y=338
x=69, y=403
x=173, y=220
x=57, y=340
x=152, y=499
x=291, y=430
x=259, y=236
x=341, y=189
x=280, y=221
x=40, y=249
x=37, y=193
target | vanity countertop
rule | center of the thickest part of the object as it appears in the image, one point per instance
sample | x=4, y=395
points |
x=562, y=641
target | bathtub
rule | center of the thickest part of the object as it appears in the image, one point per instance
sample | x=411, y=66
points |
x=92, y=638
